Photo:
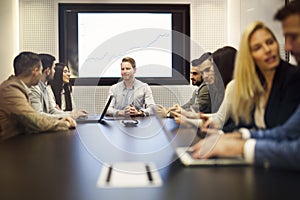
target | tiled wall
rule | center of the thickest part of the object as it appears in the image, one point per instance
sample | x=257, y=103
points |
x=93, y=98
x=38, y=33
x=39, y=21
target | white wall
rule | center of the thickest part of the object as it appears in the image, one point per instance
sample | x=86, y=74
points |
x=42, y=35
x=233, y=22
x=9, y=40
x=264, y=11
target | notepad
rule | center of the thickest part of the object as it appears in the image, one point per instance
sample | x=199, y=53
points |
x=129, y=174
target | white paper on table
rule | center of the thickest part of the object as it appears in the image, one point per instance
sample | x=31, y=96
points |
x=129, y=174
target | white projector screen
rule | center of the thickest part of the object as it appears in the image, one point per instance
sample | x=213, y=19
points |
x=105, y=38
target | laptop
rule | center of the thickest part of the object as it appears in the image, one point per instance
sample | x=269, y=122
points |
x=96, y=118
x=186, y=159
x=185, y=156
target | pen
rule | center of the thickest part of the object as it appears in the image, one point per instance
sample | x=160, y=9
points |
x=109, y=174
x=149, y=173
x=132, y=104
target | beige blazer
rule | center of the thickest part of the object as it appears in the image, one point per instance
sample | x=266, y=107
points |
x=16, y=114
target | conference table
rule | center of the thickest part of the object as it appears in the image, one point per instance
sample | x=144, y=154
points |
x=66, y=166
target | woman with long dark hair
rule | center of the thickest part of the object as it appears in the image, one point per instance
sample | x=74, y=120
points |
x=62, y=90
x=61, y=87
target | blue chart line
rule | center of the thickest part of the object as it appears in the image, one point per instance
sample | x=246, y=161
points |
x=107, y=55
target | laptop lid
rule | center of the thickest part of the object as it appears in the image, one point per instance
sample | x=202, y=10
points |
x=96, y=118
x=105, y=109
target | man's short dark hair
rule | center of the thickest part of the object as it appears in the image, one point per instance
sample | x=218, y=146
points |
x=202, y=58
x=130, y=60
x=289, y=9
x=47, y=60
x=25, y=62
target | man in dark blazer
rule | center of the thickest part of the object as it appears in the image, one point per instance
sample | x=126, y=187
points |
x=200, y=100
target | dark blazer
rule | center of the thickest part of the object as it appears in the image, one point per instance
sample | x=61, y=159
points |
x=285, y=96
x=200, y=100
x=283, y=100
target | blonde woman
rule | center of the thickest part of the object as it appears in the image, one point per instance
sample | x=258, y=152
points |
x=264, y=92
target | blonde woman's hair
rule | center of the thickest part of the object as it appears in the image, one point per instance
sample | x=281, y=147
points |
x=248, y=87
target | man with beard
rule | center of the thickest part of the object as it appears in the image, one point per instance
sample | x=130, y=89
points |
x=200, y=100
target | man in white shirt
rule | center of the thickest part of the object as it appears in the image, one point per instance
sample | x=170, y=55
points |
x=131, y=96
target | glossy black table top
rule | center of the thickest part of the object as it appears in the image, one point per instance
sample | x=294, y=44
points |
x=66, y=165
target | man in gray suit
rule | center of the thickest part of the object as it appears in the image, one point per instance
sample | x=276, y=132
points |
x=39, y=97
